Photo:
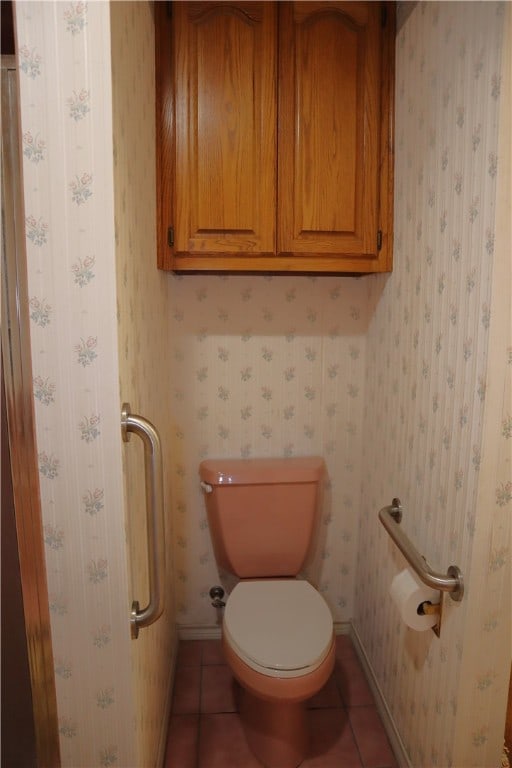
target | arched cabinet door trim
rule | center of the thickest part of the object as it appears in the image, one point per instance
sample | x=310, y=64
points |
x=275, y=136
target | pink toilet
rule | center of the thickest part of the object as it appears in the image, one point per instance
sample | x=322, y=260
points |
x=277, y=632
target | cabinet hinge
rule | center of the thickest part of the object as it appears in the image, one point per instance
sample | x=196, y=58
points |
x=379, y=239
x=383, y=15
x=170, y=237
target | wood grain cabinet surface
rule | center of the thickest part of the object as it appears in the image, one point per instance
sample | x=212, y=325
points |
x=274, y=136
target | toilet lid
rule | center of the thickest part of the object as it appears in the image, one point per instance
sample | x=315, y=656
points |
x=280, y=627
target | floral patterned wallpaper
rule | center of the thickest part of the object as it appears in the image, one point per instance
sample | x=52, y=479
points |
x=88, y=245
x=437, y=412
x=67, y=167
x=266, y=366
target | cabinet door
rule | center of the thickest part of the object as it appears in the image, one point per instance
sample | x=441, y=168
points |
x=330, y=73
x=225, y=71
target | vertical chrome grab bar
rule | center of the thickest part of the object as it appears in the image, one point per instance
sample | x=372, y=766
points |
x=453, y=582
x=154, y=517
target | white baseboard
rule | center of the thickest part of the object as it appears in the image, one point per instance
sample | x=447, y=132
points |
x=214, y=632
x=342, y=627
x=199, y=632
x=393, y=735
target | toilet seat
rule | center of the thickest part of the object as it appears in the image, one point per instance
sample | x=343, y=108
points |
x=278, y=627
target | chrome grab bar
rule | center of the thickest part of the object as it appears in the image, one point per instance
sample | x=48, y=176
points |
x=453, y=582
x=154, y=517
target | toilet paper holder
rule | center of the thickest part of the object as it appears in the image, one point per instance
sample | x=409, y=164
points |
x=433, y=609
x=429, y=609
x=452, y=582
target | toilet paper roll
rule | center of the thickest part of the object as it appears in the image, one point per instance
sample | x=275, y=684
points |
x=408, y=592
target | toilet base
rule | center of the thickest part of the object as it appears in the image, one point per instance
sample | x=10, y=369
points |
x=273, y=709
x=276, y=731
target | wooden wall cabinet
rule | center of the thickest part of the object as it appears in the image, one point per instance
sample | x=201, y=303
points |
x=274, y=136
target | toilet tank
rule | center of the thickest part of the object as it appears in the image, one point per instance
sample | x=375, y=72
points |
x=262, y=513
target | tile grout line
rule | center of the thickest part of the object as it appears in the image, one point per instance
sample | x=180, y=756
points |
x=346, y=707
x=356, y=741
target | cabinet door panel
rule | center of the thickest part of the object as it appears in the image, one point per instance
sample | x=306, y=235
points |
x=225, y=85
x=329, y=128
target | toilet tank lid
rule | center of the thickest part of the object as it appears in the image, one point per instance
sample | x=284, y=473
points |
x=297, y=469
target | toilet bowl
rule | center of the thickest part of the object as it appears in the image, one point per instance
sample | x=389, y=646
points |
x=277, y=631
x=278, y=641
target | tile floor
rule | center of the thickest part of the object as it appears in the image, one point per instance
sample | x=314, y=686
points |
x=205, y=729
